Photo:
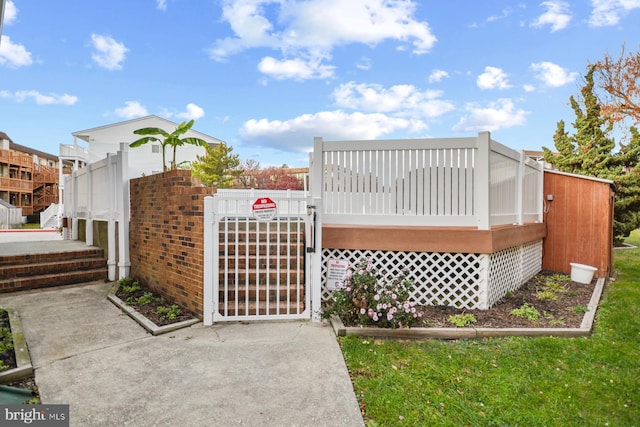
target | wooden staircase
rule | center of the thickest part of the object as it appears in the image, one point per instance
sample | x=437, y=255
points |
x=253, y=283
x=41, y=270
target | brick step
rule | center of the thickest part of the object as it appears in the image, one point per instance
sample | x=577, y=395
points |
x=50, y=257
x=260, y=276
x=262, y=309
x=36, y=269
x=262, y=261
x=48, y=280
x=282, y=293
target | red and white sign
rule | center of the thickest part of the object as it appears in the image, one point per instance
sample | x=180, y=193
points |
x=264, y=209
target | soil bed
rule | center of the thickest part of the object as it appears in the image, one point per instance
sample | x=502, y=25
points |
x=150, y=309
x=567, y=310
x=8, y=357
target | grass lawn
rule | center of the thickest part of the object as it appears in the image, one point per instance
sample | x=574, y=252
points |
x=592, y=381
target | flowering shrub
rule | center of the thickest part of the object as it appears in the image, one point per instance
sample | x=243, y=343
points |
x=365, y=299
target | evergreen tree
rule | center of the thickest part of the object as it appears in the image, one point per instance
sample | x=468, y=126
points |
x=590, y=151
x=218, y=168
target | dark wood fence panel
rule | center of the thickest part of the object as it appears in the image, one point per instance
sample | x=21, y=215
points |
x=579, y=223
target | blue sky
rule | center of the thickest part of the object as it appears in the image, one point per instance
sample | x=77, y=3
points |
x=266, y=76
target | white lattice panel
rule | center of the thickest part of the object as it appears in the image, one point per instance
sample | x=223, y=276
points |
x=456, y=280
x=511, y=268
x=531, y=260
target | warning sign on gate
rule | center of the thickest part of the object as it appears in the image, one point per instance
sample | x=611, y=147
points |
x=264, y=209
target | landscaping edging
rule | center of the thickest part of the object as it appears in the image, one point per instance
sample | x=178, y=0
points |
x=471, y=333
x=151, y=327
x=24, y=367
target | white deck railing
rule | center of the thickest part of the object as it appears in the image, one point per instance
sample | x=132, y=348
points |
x=427, y=182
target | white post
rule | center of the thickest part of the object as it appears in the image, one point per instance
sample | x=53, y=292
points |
x=483, y=181
x=208, y=261
x=74, y=207
x=111, y=224
x=122, y=191
x=89, y=214
x=316, y=170
x=540, y=167
x=520, y=189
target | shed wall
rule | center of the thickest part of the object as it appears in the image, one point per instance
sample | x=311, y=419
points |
x=579, y=223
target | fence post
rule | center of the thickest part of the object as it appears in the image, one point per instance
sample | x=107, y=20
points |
x=483, y=181
x=122, y=191
x=316, y=191
x=520, y=176
x=207, y=286
x=111, y=222
x=540, y=166
x=74, y=206
x=89, y=214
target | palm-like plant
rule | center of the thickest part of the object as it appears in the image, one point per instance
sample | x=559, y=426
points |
x=172, y=139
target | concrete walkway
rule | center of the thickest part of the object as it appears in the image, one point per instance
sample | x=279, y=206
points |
x=87, y=354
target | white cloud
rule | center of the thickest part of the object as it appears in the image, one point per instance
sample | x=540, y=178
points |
x=529, y=88
x=400, y=100
x=161, y=5
x=557, y=15
x=493, y=78
x=437, y=75
x=503, y=14
x=193, y=112
x=496, y=115
x=41, y=99
x=13, y=55
x=551, y=74
x=109, y=53
x=10, y=13
x=131, y=110
x=296, y=69
x=313, y=28
x=364, y=64
x=609, y=12
x=297, y=134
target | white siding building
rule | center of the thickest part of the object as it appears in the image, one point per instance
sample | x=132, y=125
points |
x=146, y=159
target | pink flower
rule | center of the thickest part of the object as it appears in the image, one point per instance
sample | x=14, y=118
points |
x=394, y=297
x=376, y=297
x=375, y=317
x=348, y=289
x=369, y=266
x=389, y=316
x=363, y=311
x=370, y=312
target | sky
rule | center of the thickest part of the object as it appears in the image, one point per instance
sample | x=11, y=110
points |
x=267, y=76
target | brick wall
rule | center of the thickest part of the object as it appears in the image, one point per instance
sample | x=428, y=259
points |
x=166, y=236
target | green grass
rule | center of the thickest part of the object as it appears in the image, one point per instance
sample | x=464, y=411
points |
x=592, y=381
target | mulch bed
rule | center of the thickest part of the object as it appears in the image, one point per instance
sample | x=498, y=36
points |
x=558, y=313
x=8, y=358
x=150, y=310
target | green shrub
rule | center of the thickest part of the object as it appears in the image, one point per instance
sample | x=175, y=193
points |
x=366, y=299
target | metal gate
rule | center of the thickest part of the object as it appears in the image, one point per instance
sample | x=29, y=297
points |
x=256, y=264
